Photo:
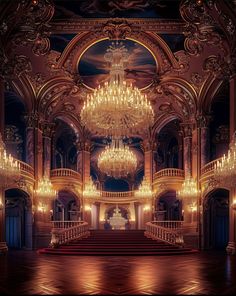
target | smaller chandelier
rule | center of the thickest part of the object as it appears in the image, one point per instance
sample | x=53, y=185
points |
x=189, y=188
x=45, y=188
x=90, y=189
x=117, y=160
x=225, y=169
x=144, y=190
x=9, y=168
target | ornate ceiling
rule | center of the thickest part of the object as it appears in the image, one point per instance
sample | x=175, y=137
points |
x=181, y=52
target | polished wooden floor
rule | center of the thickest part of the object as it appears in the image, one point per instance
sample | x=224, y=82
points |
x=204, y=273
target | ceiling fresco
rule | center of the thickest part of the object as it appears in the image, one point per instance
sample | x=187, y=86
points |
x=94, y=70
x=117, y=8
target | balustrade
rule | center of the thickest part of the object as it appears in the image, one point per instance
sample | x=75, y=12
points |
x=66, y=231
x=169, y=172
x=63, y=172
x=171, y=232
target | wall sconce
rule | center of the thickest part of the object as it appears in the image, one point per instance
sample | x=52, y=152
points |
x=234, y=204
x=1, y=205
x=147, y=208
x=87, y=208
x=193, y=207
x=42, y=208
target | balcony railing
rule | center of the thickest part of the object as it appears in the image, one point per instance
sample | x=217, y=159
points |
x=169, y=172
x=66, y=231
x=63, y=172
x=210, y=166
x=125, y=194
x=25, y=168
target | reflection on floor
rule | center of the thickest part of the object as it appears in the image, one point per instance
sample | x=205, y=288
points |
x=26, y=272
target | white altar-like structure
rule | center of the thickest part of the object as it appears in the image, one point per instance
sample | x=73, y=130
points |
x=117, y=221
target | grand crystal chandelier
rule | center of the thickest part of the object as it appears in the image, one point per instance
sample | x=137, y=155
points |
x=90, y=190
x=144, y=190
x=189, y=189
x=117, y=109
x=45, y=188
x=9, y=167
x=225, y=169
x=117, y=160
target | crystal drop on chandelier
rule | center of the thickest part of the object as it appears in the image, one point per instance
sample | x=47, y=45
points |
x=117, y=160
x=117, y=109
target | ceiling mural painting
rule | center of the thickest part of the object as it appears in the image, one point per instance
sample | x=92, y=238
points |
x=140, y=69
x=117, y=8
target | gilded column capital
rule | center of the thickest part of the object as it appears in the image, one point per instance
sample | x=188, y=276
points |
x=33, y=120
x=186, y=129
x=84, y=145
x=48, y=129
x=203, y=120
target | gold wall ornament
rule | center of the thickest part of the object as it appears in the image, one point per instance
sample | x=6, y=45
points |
x=117, y=160
x=117, y=109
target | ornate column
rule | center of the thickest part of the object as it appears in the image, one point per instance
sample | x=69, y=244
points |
x=48, y=130
x=85, y=155
x=34, y=143
x=2, y=115
x=203, y=139
x=231, y=248
x=232, y=103
x=186, y=129
x=148, y=159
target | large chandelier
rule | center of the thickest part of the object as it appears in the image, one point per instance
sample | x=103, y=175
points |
x=9, y=168
x=45, y=188
x=225, y=169
x=189, y=188
x=117, y=160
x=90, y=189
x=144, y=190
x=117, y=109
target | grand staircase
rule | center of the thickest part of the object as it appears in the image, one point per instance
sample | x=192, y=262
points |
x=117, y=242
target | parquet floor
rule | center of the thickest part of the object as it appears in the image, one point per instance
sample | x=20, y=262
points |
x=204, y=273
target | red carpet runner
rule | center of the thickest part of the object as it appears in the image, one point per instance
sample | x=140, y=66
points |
x=117, y=242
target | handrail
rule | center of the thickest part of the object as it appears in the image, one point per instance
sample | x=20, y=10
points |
x=117, y=194
x=169, y=172
x=64, y=172
x=24, y=167
x=170, y=224
x=169, y=235
x=74, y=230
x=210, y=166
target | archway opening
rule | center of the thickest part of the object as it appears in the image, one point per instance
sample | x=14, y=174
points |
x=216, y=219
x=18, y=219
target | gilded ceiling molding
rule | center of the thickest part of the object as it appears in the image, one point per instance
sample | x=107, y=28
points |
x=118, y=29
x=159, y=26
x=201, y=27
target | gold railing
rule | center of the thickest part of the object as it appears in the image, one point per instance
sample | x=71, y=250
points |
x=169, y=172
x=63, y=172
x=171, y=232
x=25, y=168
x=124, y=194
x=66, y=231
x=210, y=166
